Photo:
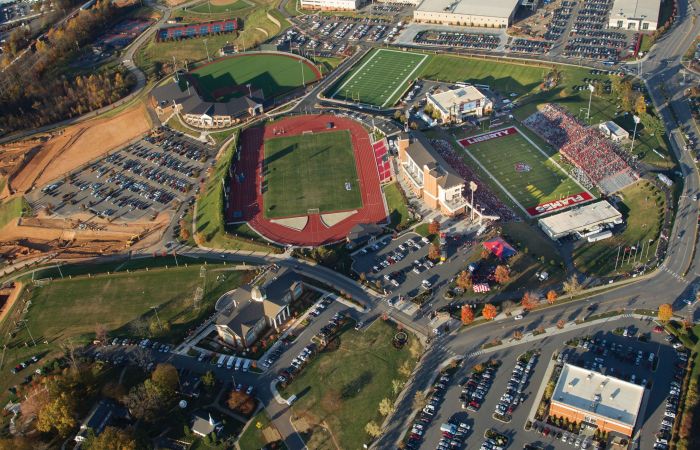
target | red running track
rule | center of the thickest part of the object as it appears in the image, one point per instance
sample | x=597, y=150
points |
x=246, y=200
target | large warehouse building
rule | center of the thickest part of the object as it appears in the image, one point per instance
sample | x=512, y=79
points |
x=605, y=402
x=585, y=220
x=331, y=5
x=635, y=14
x=471, y=13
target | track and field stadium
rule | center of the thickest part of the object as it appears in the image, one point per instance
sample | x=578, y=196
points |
x=380, y=78
x=274, y=73
x=305, y=180
x=524, y=172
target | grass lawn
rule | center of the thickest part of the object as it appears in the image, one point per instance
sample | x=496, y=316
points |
x=380, y=78
x=176, y=125
x=343, y=387
x=274, y=74
x=642, y=207
x=529, y=175
x=501, y=76
x=310, y=171
x=208, y=8
x=12, y=209
x=398, y=210
x=210, y=213
x=253, y=436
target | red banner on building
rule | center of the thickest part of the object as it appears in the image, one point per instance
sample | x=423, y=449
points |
x=562, y=203
x=487, y=136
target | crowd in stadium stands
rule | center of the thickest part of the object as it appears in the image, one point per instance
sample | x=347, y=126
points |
x=584, y=147
x=483, y=196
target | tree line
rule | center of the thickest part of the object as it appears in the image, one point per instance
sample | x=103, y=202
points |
x=33, y=92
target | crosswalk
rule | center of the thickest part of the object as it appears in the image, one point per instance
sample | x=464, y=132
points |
x=474, y=354
x=678, y=277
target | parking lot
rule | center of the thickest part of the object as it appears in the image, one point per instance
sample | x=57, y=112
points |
x=139, y=180
x=610, y=353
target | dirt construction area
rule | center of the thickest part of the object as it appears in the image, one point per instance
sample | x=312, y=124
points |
x=36, y=161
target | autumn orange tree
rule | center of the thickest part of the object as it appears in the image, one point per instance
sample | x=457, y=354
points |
x=434, y=251
x=665, y=312
x=467, y=315
x=464, y=280
x=434, y=227
x=551, y=296
x=489, y=312
x=501, y=274
x=241, y=402
x=529, y=301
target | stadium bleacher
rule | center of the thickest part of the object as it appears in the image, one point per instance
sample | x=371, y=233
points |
x=381, y=156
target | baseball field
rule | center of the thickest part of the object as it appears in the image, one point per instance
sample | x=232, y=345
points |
x=275, y=74
x=525, y=173
x=310, y=172
x=380, y=78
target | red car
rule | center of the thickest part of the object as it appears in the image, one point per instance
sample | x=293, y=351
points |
x=657, y=329
x=546, y=431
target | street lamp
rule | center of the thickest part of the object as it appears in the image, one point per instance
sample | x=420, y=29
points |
x=472, y=187
x=634, y=133
x=301, y=66
x=590, y=98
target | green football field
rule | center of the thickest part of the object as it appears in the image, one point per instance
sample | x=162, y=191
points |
x=528, y=175
x=310, y=172
x=380, y=78
x=274, y=74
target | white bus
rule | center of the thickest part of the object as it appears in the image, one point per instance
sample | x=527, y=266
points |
x=221, y=361
x=246, y=365
x=229, y=363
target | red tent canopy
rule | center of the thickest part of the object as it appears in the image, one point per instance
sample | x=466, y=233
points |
x=500, y=248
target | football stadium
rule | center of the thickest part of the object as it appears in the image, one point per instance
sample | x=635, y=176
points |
x=531, y=178
x=380, y=78
x=305, y=180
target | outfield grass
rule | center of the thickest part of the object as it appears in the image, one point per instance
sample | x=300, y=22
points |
x=274, y=74
x=398, y=210
x=312, y=171
x=208, y=8
x=642, y=206
x=343, y=387
x=12, y=209
x=538, y=179
x=380, y=78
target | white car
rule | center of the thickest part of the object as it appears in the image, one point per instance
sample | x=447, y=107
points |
x=518, y=317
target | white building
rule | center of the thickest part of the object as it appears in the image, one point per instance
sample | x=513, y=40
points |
x=585, y=220
x=331, y=5
x=635, y=14
x=613, y=131
x=457, y=104
x=471, y=13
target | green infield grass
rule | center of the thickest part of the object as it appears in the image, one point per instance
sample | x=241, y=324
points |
x=380, y=78
x=308, y=172
x=274, y=74
x=523, y=170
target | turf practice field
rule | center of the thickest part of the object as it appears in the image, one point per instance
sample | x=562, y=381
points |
x=380, y=78
x=310, y=172
x=529, y=176
x=273, y=73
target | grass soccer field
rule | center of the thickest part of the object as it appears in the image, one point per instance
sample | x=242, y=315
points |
x=310, y=171
x=274, y=74
x=380, y=78
x=525, y=172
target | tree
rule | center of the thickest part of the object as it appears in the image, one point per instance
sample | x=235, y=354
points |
x=434, y=251
x=100, y=333
x=508, y=306
x=208, y=379
x=386, y=407
x=37, y=398
x=485, y=254
x=560, y=323
x=464, y=280
x=551, y=296
x=640, y=105
x=434, y=227
x=420, y=400
x=518, y=335
x=572, y=286
x=199, y=238
x=489, y=312
x=373, y=429
x=143, y=402
x=184, y=233
x=501, y=274
x=467, y=315
x=396, y=386
x=57, y=415
x=111, y=438
x=166, y=379
x=529, y=301
x=665, y=312
x=241, y=402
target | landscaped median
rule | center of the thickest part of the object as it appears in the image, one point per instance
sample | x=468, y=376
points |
x=351, y=384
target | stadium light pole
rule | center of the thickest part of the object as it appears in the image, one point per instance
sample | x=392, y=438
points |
x=206, y=47
x=155, y=309
x=590, y=98
x=29, y=332
x=301, y=66
x=634, y=133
